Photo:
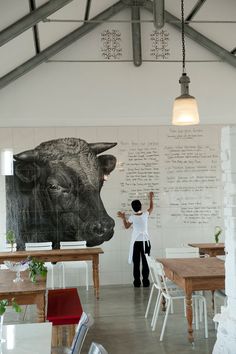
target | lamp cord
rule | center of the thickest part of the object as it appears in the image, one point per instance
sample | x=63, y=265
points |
x=182, y=33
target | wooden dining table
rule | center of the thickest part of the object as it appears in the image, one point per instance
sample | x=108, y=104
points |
x=61, y=255
x=212, y=249
x=194, y=274
x=25, y=292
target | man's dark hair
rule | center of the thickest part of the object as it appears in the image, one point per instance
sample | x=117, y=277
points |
x=136, y=205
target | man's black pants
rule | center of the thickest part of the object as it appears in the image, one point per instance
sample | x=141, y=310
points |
x=138, y=254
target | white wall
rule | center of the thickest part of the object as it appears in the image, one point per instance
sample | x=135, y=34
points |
x=181, y=166
x=119, y=101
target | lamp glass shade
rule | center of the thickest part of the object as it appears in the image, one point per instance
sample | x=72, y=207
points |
x=185, y=111
x=7, y=162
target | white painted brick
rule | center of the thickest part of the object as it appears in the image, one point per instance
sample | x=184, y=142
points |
x=226, y=165
x=229, y=188
x=225, y=155
x=230, y=222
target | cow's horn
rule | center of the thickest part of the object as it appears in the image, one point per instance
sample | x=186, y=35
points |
x=29, y=155
x=101, y=147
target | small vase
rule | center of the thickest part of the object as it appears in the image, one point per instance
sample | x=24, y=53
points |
x=2, y=340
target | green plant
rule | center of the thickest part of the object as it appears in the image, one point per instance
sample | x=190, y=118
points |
x=36, y=268
x=218, y=231
x=10, y=237
x=4, y=303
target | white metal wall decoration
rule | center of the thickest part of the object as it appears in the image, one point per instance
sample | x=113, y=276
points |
x=111, y=44
x=159, y=44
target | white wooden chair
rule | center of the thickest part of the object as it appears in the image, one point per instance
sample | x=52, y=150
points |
x=220, y=299
x=182, y=252
x=85, y=322
x=97, y=348
x=79, y=265
x=8, y=248
x=155, y=286
x=43, y=246
x=170, y=296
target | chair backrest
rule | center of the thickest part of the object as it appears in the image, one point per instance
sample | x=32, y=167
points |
x=157, y=272
x=38, y=246
x=9, y=248
x=182, y=252
x=159, y=276
x=85, y=322
x=72, y=244
x=97, y=348
x=149, y=262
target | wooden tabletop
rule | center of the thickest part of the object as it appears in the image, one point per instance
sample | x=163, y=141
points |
x=24, y=293
x=61, y=255
x=7, y=286
x=207, y=245
x=195, y=267
x=56, y=255
x=212, y=249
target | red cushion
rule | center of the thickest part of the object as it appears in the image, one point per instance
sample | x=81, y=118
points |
x=64, y=306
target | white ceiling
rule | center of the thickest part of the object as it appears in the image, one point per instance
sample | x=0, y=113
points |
x=22, y=48
x=77, y=86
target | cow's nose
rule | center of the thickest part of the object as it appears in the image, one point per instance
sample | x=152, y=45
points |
x=98, y=229
x=101, y=227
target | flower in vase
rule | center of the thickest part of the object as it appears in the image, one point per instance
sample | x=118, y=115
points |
x=218, y=231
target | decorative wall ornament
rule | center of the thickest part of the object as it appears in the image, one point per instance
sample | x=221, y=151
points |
x=160, y=42
x=111, y=44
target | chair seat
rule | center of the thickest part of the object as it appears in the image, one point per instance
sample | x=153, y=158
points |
x=64, y=306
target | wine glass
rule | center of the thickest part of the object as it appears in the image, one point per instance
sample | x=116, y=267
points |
x=17, y=267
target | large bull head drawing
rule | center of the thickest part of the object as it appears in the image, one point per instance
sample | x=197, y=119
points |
x=55, y=193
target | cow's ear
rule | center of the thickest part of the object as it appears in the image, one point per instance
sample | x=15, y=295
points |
x=27, y=172
x=107, y=163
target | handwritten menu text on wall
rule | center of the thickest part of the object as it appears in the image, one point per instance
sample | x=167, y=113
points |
x=182, y=167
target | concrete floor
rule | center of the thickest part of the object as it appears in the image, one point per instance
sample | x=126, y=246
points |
x=121, y=328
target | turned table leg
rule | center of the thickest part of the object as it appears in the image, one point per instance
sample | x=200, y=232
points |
x=40, y=303
x=189, y=312
x=96, y=275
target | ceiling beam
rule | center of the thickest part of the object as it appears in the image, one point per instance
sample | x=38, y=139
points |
x=87, y=10
x=31, y=19
x=159, y=13
x=136, y=35
x=197, y=36
x=195, y=9
x=61, y=44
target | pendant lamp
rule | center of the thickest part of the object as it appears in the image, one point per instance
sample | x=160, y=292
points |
x=185, y=110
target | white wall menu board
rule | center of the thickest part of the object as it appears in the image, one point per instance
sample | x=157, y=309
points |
x=139, y=168
x=182, y=167
x=191, y=176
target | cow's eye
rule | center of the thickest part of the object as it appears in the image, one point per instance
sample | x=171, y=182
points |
x=52, y=186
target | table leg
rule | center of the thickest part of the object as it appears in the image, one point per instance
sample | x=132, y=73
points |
x=189, y=311
x=163, y=303
x=40, y=302
x=96, y=275
x=212, y=299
